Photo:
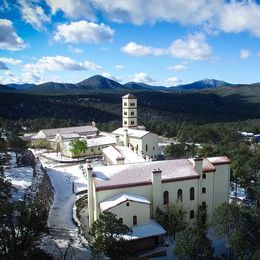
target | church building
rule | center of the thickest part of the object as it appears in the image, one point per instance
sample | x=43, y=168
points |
x=136, y=137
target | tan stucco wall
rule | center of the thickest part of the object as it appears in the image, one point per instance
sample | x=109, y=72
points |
x=141, y=210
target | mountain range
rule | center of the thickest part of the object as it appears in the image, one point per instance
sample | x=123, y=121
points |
x=103, y=84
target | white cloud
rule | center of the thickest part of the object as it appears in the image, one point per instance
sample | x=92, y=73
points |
x=9, y=78
x=57, y=63
x=135, y=49
x=75, y=50
x=142, y=77
x=119, y=66
x=83, y=31
x=72, y=8
x=174, y=81
x=193, y=47
x=3, y=66
x=9, y=40
x=178, y=67
x=33, y=15
x=110, y=76
x=244, y=54
x=10, y=61
x=236, y=17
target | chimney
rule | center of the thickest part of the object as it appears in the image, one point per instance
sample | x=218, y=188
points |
x=90, y=195
x=120, y=160
x=198, y=164
x=126, y=138
x=156, y=189
x=117, y=140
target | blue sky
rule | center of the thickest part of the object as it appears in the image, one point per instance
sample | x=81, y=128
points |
x=159, y=42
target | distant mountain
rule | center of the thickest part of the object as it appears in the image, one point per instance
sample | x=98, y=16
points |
x=98, y=82
x=53, y=86
x=201, y=84
x=21, y=86
x=4, y=88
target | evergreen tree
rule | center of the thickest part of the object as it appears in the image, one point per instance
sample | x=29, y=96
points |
x=78, y=146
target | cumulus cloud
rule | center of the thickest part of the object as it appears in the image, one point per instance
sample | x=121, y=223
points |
x=244, y=54
x=135, y=49
x=33, y=14
x=193, y=47
x=240, y=16
x=9, y=40
x=110, y=76
x=72, y=8
x=174, y=81
x=83, y=31
x=3, y=66
x=10, y=61
x=52, y=63
x=178, y=67
x=142, y=77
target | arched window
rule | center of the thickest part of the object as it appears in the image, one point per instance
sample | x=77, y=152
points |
x=203, y=190
x=165, y=198
x=179, y=194
x=192, y=214
x=203, y=176
x=121, y=220
x=191, y=193
x=134, y=220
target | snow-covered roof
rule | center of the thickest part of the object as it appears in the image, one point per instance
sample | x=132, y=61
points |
x=115, y=152
x=129, y=96
x=131, y=132
x=70, y=136
x=100, y=141
x=83, y=130
x=121, y=198
x=136, y=174
x=144, y=231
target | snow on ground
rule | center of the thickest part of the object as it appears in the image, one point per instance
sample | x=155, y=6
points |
x=20, y=177
x=60, y=222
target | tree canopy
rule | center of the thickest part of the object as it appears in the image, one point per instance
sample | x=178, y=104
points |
x=78, y=146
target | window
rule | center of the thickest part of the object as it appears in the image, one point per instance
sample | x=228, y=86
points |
x=125, y=104
x=134, y=220
x=146, y=147
x=127, y=204
x=203, y=204
x=132, y=113
x=203, y=176
x=165, y=198
x=125, y=123
x=179, y=195
x=192, y=193
x=203, y=190
x=132, y=122
x=121, y=220
x=192, y=214
x=153, y=148
x=125, y=113
x=132, y=104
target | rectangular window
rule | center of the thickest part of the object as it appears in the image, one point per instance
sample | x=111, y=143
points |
x=132, y=113
x=134, y=220
x=132, y=122
x=125, y=123
x=132, y=104
x=146, y=147
x=125, y=104
x=125, y=113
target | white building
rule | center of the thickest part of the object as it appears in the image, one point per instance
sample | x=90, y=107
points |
x=136, y=137
x=134, y=191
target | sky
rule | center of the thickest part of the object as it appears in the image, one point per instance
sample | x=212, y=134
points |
x=158, y=42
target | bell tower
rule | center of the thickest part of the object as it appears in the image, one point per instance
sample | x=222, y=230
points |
x=129, y=111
